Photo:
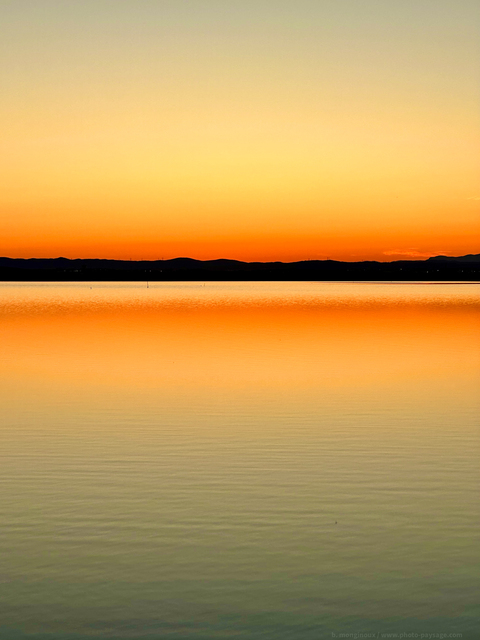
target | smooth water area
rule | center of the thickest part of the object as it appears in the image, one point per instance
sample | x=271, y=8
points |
x=239, y=460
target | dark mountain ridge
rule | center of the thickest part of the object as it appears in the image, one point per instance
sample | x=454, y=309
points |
x=471, y=257
x=465, y=268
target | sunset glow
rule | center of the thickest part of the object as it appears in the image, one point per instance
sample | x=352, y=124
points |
x=247, y=130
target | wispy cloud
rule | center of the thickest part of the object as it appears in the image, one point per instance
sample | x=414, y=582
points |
x=408, y=253
x=473, y=198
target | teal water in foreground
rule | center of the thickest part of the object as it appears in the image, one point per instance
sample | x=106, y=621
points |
x=239, y=460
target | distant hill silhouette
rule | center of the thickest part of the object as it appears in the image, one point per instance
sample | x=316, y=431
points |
x=469, y=258
x=63, y=269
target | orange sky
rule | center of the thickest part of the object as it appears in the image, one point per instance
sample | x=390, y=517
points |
x=248, y=130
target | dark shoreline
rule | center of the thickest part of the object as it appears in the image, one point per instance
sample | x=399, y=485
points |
x=466, y=268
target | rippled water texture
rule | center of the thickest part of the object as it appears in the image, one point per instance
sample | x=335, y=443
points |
x=245, y=460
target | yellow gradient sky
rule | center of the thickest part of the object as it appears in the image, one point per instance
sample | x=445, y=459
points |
x=248, y=129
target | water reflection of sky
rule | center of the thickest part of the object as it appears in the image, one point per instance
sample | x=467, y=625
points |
x=177, y=458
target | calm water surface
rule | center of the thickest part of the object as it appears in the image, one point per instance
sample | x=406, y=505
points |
x=239, y=460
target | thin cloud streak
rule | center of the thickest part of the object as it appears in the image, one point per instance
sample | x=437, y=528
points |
x=409, y=253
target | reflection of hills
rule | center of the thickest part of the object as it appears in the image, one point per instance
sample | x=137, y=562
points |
x=53, y=269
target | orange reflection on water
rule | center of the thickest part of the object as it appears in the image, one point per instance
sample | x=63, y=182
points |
x=312, y=345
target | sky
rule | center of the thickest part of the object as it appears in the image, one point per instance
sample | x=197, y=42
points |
x=246, y=129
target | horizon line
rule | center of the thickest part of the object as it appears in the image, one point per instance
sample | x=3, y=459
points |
x=405, y=258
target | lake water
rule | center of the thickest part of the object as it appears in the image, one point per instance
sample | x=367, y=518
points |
x=239, y=460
